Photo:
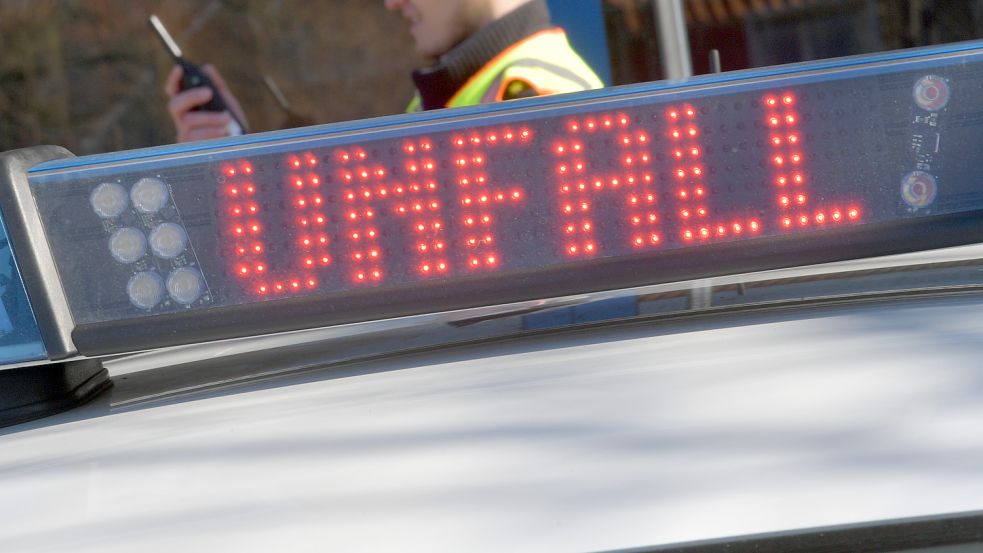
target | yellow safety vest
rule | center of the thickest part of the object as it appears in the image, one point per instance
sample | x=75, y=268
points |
x=543, y=63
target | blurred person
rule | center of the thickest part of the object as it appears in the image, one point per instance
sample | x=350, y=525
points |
x=482, y=50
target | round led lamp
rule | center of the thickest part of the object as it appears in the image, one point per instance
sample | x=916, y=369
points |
x=149, y=195
x=931, y=93
x=185, y=285
x=128, y=245
x=109, y=200
x=145, y=289
x=168, y=240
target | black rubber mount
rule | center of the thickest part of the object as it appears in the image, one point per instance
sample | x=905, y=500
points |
x=29, y=393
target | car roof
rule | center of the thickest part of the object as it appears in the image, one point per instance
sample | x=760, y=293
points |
x=599, y=438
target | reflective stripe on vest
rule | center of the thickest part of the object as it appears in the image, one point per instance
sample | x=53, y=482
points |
x=541, y=76
x=544, y=62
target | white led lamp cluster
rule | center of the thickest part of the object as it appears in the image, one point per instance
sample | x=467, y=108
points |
x=150, y=254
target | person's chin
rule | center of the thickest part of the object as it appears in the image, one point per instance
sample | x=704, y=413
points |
x=426, y=50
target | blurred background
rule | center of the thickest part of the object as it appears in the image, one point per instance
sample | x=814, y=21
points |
x=88, y=74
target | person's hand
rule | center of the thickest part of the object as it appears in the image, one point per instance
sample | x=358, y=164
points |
x=199, y=125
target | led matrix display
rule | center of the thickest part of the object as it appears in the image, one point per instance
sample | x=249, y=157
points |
x=520, y=203
x=609, y=184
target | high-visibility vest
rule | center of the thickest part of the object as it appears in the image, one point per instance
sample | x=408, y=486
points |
x=544, y=63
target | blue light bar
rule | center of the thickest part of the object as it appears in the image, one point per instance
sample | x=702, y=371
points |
x=20, y=337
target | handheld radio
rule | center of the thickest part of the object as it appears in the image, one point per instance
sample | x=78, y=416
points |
x=194, y=77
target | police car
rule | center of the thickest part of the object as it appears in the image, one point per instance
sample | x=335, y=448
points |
x=740, y=305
